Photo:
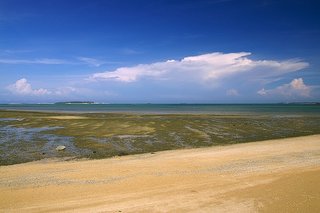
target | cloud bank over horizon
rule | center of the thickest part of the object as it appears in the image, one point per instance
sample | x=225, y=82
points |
x=227, y=76
x=210, y=77
x=206, y=68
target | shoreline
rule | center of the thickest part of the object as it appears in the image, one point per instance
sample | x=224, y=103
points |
x=137, y=113
x=152, y=113
x=165, y=109
x=221, y=178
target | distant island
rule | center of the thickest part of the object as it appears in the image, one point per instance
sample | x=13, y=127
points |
x=304, y=103
x=75, y=102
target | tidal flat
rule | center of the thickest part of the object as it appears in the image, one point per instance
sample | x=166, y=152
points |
x=27, y=136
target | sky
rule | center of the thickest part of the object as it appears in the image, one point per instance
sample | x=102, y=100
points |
x=159, y=51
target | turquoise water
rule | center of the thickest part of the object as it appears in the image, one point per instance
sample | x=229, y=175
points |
x=219, y=109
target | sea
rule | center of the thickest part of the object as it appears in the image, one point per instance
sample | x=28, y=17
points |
x=218, y=109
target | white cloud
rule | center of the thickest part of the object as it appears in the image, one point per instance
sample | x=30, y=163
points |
x=22, y=87
x=53, y=61
x=262, y=92
x=34, y=61
x=232, y=92
x=91, y=61
x=65, y=91
x=205, y=68
x=296, y=88
x=15, y=51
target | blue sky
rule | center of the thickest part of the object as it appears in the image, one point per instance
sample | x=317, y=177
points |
x=161, y=51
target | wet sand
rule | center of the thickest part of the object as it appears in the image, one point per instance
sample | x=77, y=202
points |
x=269, y=176
x=66, y=117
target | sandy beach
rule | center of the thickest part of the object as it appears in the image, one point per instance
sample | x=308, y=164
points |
x=269, y=176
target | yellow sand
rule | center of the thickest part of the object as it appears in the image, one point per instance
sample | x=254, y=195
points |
x=270, y=176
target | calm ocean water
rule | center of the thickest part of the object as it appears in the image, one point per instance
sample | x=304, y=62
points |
x=219, y=109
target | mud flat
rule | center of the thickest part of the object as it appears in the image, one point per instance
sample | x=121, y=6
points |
x=270, y=176
x=28, y=136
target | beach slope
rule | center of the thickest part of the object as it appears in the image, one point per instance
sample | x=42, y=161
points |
x=269, y=176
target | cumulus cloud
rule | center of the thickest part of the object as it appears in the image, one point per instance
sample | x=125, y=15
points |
x=296, y=88
x=22, y=87
x=203, y=68
x=262, y=92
